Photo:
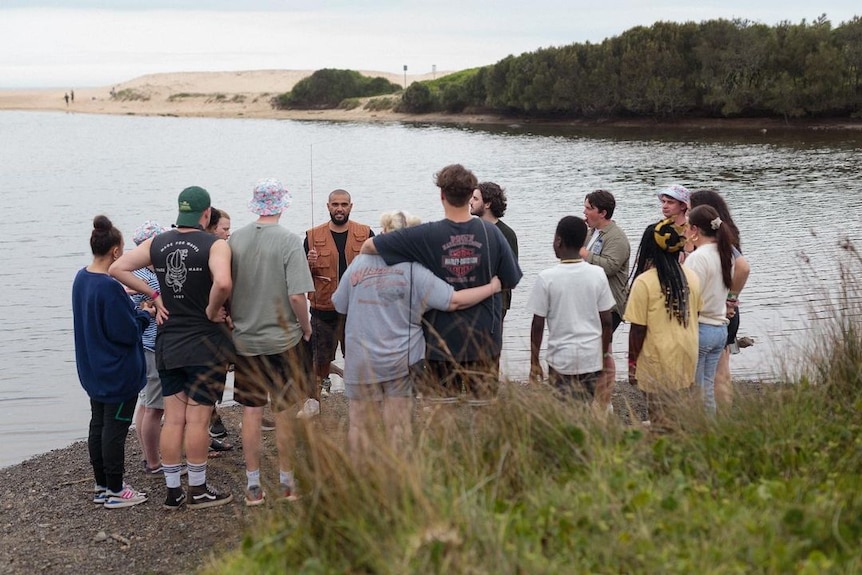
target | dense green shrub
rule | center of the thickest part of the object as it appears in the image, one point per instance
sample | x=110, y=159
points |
x=327, y=88
x=417, y=99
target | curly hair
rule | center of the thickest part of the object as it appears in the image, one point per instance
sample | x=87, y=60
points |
x=572, y=232
x=496, y=196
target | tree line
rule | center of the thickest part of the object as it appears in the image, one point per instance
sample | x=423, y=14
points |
x=716, y=68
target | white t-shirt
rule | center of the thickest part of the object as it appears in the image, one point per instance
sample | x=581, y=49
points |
x=571, y=296
x=706, y=262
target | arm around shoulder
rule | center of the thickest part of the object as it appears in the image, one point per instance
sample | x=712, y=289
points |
x=471, y=296
x=368, y=247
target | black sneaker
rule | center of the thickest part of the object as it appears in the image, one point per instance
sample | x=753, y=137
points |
x=202, y=496
x=217, y=428
x=175, y=499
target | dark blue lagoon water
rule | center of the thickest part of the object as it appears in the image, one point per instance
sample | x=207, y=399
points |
x=795, y=197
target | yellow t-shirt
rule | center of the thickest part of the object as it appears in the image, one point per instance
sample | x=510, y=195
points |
x=669, y=356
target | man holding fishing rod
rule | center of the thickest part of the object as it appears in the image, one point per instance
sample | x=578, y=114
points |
x=330, y=247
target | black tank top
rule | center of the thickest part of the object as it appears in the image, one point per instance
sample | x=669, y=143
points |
x=188, y=337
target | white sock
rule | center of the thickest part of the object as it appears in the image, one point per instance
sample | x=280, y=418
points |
x=286, y=477
x=197, y=473
x=253, y=478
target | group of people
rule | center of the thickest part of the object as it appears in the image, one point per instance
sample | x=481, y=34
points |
x=417, y=309
x=681, y=302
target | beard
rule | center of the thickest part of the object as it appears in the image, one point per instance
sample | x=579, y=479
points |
x=478, y=212
x=339, y=220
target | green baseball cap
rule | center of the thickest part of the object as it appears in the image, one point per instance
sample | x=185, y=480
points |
x=193, y=201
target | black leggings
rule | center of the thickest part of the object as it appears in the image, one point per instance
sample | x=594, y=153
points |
x=109, y=425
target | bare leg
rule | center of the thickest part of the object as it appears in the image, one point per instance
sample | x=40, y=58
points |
x=149, y=432
x=197, y=431
x=138, y=421
x=723, y=380
x=358, y=440
x=397, y=420
x=284, y=437
x=336, y=370
x=251, y=418
x=171, y=441
x=605, y=384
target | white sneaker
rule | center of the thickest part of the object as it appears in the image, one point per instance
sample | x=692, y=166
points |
x=310, y=408
x=125, y=498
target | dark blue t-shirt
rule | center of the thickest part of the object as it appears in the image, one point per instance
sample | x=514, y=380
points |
x=465, y=255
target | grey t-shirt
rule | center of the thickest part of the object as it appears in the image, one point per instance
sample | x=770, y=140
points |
x=384, y=307
x=267, y=265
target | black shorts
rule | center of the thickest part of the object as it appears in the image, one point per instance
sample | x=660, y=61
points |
x=580, y=387
x=733, y=328
x=283, y=376
x=203, y=384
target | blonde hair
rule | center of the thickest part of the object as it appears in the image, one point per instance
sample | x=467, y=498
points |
x=224, y=215
x=391, y=221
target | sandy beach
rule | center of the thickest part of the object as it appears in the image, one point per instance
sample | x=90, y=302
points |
x=247, y=94
x=206, y=94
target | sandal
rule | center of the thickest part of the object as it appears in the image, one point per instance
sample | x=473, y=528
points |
x=219, y=445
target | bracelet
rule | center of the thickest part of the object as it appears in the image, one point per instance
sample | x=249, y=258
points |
x=156, y=295
x=633, y=363
x=607, y=354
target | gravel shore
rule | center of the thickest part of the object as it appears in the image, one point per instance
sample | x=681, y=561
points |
x=50, y=525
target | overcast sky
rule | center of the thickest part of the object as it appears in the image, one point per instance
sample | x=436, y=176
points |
x=76, y=43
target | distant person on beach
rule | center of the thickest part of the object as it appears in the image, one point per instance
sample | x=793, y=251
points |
x=463, y=347
x=607, y=247
x=489, y=203
x=72, y=95
x=151, y=403
x=576, y=300
x=66, y=97
x=193, y=346
x=712, y=260
x=330, y=247
x=110, y=362
x=741, y=271
x=384, y=307
x=664, y=301
x=272, y=332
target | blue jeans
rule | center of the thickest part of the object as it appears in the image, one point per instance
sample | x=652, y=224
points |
x=712, y=339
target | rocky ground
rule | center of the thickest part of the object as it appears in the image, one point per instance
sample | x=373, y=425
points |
x=50, y=525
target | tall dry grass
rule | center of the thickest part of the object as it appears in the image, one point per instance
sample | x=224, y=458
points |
x=534, y=485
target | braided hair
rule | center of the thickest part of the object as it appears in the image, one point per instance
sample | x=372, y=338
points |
x=659, y=248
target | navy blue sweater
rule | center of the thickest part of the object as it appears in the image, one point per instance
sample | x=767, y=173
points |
x=108, y=330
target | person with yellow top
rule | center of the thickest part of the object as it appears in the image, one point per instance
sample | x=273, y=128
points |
x=663, y=306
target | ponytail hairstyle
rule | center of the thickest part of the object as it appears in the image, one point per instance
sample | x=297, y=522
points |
x=105, y=236
x=714, y=199
x=708, y=223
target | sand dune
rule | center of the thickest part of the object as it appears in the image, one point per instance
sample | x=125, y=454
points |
x=211, y=94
